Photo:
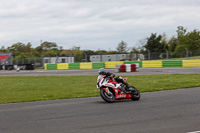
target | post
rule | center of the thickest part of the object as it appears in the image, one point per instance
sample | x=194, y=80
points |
x=34, y=61
x=85, y=57
x=167, y=56
x=16, y=60
x=149, y=55
x=186, y=52
x=22, y=60
x=29, y=60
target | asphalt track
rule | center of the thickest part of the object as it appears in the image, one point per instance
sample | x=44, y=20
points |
x=140, y=71
x=174, y=111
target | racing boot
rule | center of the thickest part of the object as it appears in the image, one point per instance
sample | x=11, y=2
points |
x=122, y=88
x=127, y=85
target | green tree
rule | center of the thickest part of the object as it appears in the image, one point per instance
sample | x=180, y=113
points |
x=154, y=43
x=3, y=49
x=193, y=39
x=112, y=52
x=21, y=50
x=181, y=32
x=135, y=50
x=172, y=43
x=122, y=47
x=77, y=53
x=48, y=49
x=188, y=40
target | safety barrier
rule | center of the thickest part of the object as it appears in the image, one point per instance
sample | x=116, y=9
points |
x=138, y=63
x=127, y=68
x=74, y=65
x=63, y=66
x=151, y=63
x=51, y=66
x=98, y=65
x=191, y=63
x=85, y=65
x=112, y=64
x=172, y=63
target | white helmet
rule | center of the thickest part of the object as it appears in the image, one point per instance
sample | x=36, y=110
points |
x=102, y=71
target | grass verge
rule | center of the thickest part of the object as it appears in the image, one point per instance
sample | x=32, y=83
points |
x=36, y=88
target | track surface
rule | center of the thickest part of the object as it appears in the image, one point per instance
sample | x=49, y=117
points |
x=175, y=111
x=141, y=71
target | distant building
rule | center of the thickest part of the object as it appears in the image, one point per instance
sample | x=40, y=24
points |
x=109, y=57
x=54, y=60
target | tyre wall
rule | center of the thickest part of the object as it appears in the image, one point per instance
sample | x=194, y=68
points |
x=172, y=63
x=112, y=64
x=63, y=66
x=191, y=63
x=85, y=65
x=152, y=64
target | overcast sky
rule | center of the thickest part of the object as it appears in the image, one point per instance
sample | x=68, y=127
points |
x=93, y=24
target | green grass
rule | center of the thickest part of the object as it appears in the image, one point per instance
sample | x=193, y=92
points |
x=37, y=88
x=184, y=58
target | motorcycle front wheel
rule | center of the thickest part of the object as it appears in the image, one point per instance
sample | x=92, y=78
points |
x=110, y=98
x=135, y=94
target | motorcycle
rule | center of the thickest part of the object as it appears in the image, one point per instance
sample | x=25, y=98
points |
x=110, y=90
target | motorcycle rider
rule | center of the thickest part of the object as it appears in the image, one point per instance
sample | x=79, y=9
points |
x=103, y=72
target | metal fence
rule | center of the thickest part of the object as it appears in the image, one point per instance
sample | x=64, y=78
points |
x=36, y=61
x=149, y=55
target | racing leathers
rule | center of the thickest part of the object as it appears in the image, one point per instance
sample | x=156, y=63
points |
x=118, y=79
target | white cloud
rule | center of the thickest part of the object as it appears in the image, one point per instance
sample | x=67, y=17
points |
x=93, y=24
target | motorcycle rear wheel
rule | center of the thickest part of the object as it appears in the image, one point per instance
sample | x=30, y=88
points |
x=110, y=98
x=135, y=94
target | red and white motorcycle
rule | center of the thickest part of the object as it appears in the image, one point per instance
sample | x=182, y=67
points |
x=110, y=90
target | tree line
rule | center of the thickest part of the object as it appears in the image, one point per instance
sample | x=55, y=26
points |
x=154, y=43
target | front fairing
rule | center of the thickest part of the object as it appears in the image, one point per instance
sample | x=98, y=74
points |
x=102, y=81
x=99, y=77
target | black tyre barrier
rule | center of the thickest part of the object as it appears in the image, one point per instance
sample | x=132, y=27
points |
x=26, y=66
x=9, y=67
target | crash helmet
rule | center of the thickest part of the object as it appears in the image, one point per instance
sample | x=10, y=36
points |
x=102, y=71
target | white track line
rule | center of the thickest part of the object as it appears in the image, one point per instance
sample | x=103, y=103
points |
x=194, y=132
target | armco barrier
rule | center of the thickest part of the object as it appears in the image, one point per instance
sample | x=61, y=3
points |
x=151, y=63
x=74, y=65
x=97, y=65
x=85, y=65
x=112, y=64
x=172, y=63
x=63, y=66
x=191, y=63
